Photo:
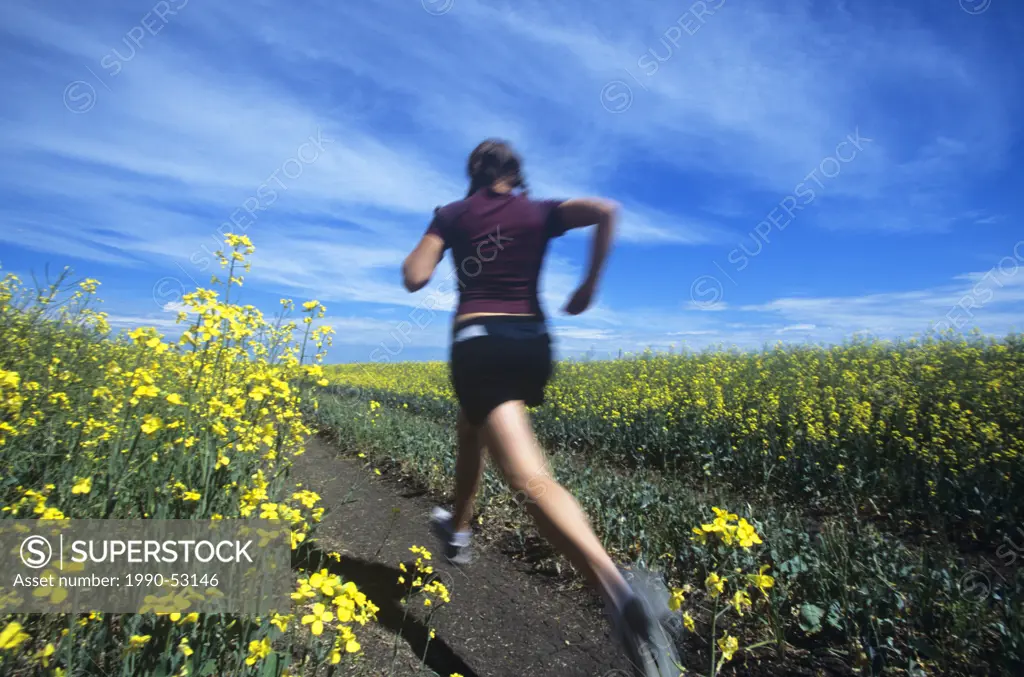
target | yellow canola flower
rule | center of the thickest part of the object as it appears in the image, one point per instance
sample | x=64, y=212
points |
x=762, y=581
x=746, y=535
x=151, y=424
x=324, y=582
x=12, y=636
x=740, y=599
x=89, y=285
x=317, y=618
x=676, y=600
x=728, y=645
x=280, y=622
x=136, y=642
x=44, y=654
x=258, y=650
x=715, y=584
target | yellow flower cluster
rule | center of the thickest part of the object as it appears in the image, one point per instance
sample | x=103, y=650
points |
x=351, y=604
x=432, y=590
x=327, y=599
x=374, y=412
x=730, y=528
x=38, y=501
x=136, y=425
x=725, y=536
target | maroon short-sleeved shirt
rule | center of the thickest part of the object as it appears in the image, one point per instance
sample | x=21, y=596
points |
x=498, y=242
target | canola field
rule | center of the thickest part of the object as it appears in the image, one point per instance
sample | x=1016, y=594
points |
x=853, y=509
x=919, y=425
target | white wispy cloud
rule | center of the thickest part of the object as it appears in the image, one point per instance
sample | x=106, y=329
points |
x=796, y=327
x=989, y=301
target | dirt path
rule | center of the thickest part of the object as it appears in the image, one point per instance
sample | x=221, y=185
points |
x=501, y=620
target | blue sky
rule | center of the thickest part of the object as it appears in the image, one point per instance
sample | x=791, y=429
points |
x=794, y=171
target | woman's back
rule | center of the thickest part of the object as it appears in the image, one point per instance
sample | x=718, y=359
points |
x=498, y=241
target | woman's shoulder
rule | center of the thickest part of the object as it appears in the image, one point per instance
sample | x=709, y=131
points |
x=451, y=211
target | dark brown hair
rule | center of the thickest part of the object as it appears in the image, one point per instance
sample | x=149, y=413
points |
x=491, y=161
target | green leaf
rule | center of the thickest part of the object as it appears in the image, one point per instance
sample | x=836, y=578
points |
x=835, y=617
x=793, y=566
x=810, y=618
x=209, y=668
x=925, y=648
x=270, y=665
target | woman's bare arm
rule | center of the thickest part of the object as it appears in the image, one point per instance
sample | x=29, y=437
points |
x=584, y=212
x=420, y=264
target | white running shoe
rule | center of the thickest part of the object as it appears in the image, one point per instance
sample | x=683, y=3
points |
x=642, y=626
x=455, y=545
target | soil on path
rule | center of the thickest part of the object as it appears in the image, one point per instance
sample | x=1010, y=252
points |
x=502, y=620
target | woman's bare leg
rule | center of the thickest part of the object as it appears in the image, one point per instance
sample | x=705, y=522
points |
x=469, y=468
x=559, y=518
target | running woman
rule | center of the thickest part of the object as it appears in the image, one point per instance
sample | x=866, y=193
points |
x=501, y=361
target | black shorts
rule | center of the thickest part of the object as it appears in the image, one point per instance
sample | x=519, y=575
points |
x=499, y=359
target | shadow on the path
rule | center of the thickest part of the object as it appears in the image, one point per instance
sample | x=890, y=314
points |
x=379, y=583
